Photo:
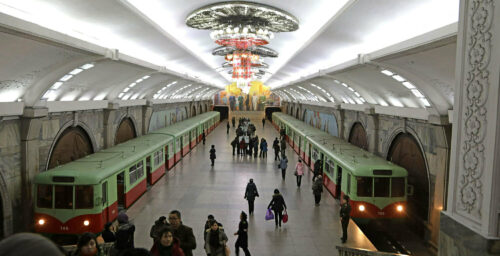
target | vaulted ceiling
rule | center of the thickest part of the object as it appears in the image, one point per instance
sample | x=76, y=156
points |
x=142, y=50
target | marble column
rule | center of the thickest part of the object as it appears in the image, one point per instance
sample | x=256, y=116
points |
x=470, y=223
x=110, y=115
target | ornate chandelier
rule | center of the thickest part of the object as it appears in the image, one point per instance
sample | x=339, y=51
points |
x=241, y=29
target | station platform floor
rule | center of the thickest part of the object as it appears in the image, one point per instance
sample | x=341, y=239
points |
x=196, y=189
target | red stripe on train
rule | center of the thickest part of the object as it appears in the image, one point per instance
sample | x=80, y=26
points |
x=132, y=195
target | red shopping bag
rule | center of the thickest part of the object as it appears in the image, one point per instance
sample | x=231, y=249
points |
x=285, y=217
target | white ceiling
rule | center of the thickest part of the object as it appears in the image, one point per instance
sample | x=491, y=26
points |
x=331, y=34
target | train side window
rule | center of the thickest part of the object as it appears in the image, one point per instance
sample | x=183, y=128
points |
x=63, y=197
x=398, y=187
x=382, y=186
x=140, y=170
x=104, y=193
x=315, y=154
x=84, y=197
x=44, y=196
x=364, y=186
x=348, y=183
x=330, y=167
x=132, y=174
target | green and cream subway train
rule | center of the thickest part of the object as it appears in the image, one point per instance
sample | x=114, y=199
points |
x=376, y=187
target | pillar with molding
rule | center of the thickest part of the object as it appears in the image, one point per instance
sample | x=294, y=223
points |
x=470, y=224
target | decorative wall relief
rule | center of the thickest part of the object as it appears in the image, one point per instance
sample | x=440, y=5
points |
x=322, y=121
x=478, y=51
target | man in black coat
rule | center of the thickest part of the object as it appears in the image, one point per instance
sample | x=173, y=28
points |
x=318, y=168
x=345, y=215
x=276, y=147
x=212, y=155
x=233, y=121
x=235, y=145
x=250, y=194
x=228, y=126
x=182, y=232
x=263, y=122
x=203, y=137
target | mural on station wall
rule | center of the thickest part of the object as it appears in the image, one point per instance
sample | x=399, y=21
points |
x=256, y=99
x=322, y=121
x=160, y=119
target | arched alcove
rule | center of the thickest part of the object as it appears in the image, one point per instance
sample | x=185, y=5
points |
x=125, y=131
x=406, y=152
x=193, y=111
x=297, y=113
x=199, y=109
x=206, y=107
x=358, y=137
x=291, y=111
x=74, y=143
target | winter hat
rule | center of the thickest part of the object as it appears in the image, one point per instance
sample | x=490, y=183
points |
x=122, y=217
x=28, y=244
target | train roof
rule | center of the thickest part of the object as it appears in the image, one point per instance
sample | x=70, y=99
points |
x=179, y=128
x=357, y=160
x=92, y=169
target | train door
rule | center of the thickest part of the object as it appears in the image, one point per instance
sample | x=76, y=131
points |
x=120, y=183
x=148, y=171
x=167, y=147
x=338, y=182
x=107, y=214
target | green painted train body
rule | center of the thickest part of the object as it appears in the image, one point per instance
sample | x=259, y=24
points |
x=81, y=196
x=377, y=187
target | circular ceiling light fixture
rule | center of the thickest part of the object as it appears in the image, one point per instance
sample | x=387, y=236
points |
x=262, y=51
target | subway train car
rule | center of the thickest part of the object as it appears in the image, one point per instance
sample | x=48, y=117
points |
x=83, y=195
x=377, y=187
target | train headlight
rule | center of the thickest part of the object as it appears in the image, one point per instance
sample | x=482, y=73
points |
x=86, y=222
x=399, y=208
x=41, y=221
x=361, y=208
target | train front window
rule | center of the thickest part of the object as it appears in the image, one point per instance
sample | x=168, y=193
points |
x=84, y=197
x=364, y=186
x=382, y=186
x=398, y=187
x=63, y=197
x=44, y=196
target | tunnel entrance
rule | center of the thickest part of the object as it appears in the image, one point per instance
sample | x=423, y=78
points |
x=74, y=143
x=269, y=112
x=358, y=136
x=406, y=152
x=126, y=131
x=223, y=110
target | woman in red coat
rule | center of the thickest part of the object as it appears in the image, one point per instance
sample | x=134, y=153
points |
x=167, y=244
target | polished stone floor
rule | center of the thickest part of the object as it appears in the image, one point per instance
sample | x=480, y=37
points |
x=196, y=189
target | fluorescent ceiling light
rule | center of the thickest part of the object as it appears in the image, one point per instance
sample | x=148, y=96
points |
x=417, y=93
x=69, y=97
x=345, y=85
x=383, y=103
x=50, y=95
x=66, y=78
x=351, y=101
x=399, y=78
x=357, y=94
x=126, y=89
x=425, y=101
x=87, y=66
x=387, y=72
x=134, y=96
x=132, y=85
x=139, y=80
x=120, y=95
x=409, y=85
x=350, y=89
x=362, y=99
x=56, y=85
x=84, y=98
x=146, y=77
x=100, y=97
x=172, y=83
x=76, y=71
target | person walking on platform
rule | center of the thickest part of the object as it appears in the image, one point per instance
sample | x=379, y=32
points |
x=243, y=147
x=203, y=137
x=276, y=147
x=159, y=225
x=182, y=232
x=215, y=240
x=250, y=194
x=212, y=155
x=299, y=171
x=317, y=189
x=277, y=204
x=318, y=168
x=256, y=146
x=228, y=126
x=233, y=121
x=250, y=147
x=283, y=165
x=167, y=244
x=345, y=215
x=210, y=217
x=283, y=146
x=242, y=234
x=263, y=122
x=87, y=246
x=108, y=234
x=263, y=148
x=235, y=144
